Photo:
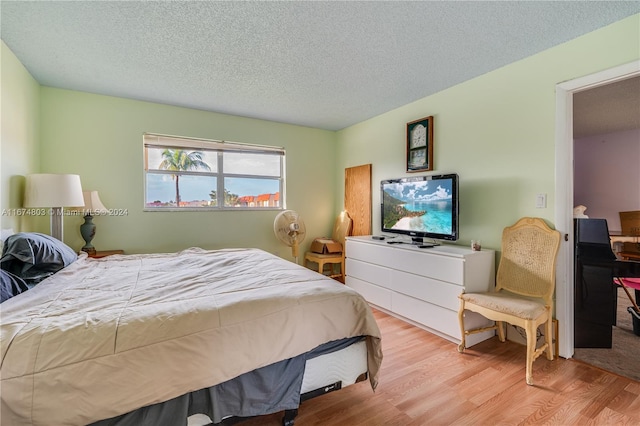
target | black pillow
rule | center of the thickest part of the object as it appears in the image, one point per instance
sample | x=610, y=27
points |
x=33, y=256
x=10, y=285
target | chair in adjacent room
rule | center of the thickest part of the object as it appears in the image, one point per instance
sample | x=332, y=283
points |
x=341, y=229
x=630, y=224
x=525, y=283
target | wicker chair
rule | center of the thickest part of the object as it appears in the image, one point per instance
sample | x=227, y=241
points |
x=525, y=283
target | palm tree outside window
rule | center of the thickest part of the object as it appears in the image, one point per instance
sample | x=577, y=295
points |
x=181, y=161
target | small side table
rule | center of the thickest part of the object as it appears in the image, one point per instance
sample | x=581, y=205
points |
x=105, y=253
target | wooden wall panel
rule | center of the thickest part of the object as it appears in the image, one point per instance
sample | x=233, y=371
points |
x=357, y=198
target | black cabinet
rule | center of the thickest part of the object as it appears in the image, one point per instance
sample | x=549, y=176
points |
x=595, y=300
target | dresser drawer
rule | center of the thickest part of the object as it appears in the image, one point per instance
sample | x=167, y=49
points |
x=409, y=259
x=433, y=291
x=369, y=272
x=373, y=294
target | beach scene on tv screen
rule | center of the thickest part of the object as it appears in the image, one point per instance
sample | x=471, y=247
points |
x=424, y=206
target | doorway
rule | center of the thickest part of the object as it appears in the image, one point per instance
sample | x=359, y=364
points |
x=564, y=191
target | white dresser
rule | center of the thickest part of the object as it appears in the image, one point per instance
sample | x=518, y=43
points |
x=421, y=286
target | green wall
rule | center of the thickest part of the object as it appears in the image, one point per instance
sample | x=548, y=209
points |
x=20, y=117
x=100, y=138
x=496, y=131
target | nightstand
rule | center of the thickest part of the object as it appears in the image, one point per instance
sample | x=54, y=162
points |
x=104, y=253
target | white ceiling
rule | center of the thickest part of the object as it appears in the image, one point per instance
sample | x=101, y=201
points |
x=606, y=109
x=314, y=63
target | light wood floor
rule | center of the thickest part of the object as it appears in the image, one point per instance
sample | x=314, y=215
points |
x=425, y=381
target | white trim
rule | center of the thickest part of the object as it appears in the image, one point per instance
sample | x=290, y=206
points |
x=602, y=78
x=564, y=219
x=168, y=141
x=564, y=190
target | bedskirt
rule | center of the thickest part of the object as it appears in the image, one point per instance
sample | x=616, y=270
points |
x=266, y=390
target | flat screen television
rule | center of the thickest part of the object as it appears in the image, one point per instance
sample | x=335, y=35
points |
x=422, y=207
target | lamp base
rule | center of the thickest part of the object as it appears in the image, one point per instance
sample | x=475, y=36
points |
x=56, y=223
x=91, y=251
x=88, y=231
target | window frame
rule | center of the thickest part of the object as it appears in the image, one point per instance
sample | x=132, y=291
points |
x=155, y=140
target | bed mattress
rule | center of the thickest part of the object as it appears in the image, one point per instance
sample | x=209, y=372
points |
x=344, y=366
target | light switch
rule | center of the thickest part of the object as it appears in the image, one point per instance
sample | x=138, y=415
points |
x=541, y=201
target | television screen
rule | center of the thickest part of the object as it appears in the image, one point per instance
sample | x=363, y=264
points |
x=423, y=207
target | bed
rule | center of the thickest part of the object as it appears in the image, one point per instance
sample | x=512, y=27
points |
x=129, y=338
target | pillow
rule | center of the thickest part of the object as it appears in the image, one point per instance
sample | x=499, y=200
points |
x=10, y=285
x=33, y=256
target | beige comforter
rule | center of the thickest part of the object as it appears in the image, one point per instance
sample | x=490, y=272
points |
x=106, y=336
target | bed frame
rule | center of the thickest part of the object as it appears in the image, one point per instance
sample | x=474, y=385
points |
x=323, y=374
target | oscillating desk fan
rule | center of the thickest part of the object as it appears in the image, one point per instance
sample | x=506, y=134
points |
x=289, y=228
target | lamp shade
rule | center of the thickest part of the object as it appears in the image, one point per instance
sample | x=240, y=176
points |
x=53, y=190
x=92, y=204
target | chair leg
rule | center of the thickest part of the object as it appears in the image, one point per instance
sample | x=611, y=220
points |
x=462, y=344
x=501, y=334
x=531, y=350
x=548, y=338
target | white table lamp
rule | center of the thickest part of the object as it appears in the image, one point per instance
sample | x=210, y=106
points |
x=54, y=191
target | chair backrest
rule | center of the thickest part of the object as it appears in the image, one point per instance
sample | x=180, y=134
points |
x=630, y=222
x=342, y=228
x=528, y=262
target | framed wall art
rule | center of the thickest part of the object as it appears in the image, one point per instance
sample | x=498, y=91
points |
x=420, y=145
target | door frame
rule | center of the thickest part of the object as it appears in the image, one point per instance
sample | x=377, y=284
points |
x=564, y=191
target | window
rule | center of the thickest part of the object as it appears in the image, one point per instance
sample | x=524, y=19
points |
x=197, y=174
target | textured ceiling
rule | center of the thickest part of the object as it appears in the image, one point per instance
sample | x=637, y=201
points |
x=320, y=64
x=611, y=108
